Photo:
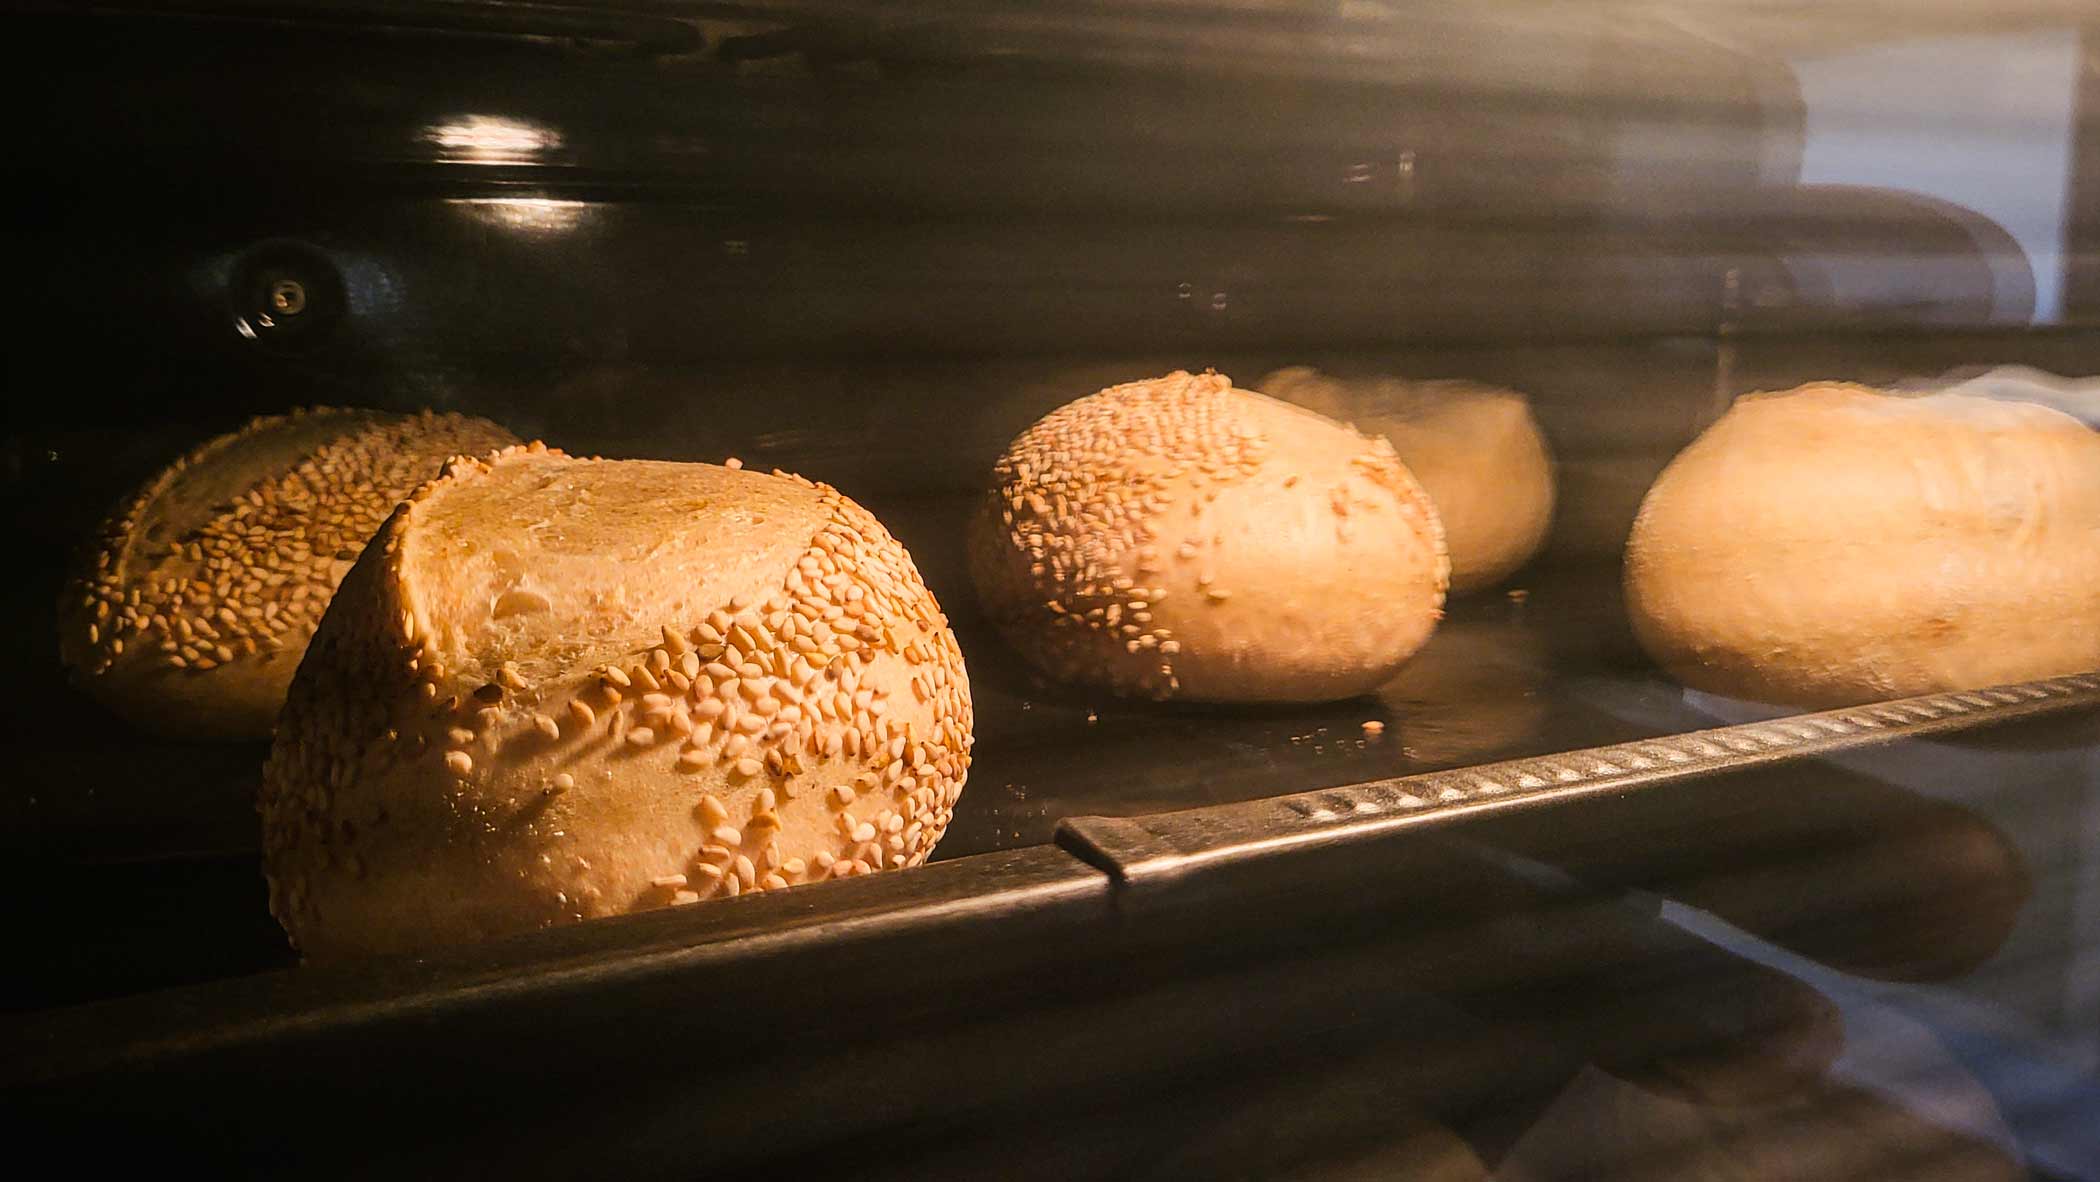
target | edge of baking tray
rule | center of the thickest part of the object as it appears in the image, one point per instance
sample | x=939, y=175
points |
x=994, y=907
x=1141, y=853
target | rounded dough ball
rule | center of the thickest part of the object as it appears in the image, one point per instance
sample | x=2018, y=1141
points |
x=1476, y=450
x=1181, y=538
x=554, y=689
x=1835, y=545
x=201, y=591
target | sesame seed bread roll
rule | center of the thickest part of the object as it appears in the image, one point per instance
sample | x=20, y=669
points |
x=1182, y=538
x=1833, y=545
x=1476, y=450
x=200, y=593
x=554, y=689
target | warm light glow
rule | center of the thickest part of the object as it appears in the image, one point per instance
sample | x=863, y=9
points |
x=540, y=215
x=484, y=139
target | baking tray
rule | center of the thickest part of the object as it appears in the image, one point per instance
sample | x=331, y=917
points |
x=1131, y=951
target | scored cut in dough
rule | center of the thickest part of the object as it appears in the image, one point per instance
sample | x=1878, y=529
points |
x=1833, y=545
x=1181, y=538
x=556, y=688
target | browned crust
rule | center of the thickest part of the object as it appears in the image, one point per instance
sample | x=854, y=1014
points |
x=1103, y=511
x=821, y=731
x=197, y=634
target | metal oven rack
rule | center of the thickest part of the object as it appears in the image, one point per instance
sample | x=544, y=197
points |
x=1149, y=950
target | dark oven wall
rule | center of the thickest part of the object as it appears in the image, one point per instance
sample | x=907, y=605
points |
x=874, y=251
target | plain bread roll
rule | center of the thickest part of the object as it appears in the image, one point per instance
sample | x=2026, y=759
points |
x=1476, y=450
x=1834, y=545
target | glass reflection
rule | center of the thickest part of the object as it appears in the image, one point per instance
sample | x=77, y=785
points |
x=530, y=215
x=487, y=139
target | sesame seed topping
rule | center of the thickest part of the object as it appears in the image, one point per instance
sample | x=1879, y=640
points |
x=843, y=669
x=1102, y=510
x=250, y=575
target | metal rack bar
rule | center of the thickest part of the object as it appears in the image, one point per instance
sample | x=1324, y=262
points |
x=1142, y=853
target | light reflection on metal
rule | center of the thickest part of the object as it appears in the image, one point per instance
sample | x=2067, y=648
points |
x=1149, y=853
x=288, y=296
x=486, y=139
x=532, y=215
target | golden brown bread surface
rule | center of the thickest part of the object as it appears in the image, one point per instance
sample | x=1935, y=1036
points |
x=1476, y=450
x=556, y=688
x=1834, y=545
x=1181, y=538
x=201, y=591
